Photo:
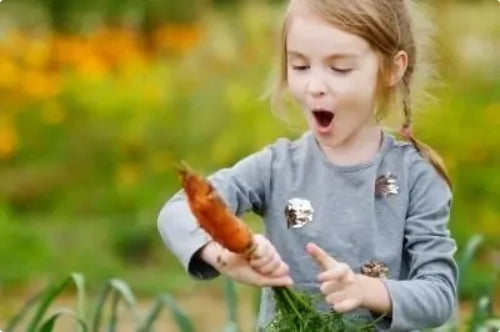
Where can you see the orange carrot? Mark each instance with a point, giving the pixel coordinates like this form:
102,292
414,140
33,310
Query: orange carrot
214,216
229,231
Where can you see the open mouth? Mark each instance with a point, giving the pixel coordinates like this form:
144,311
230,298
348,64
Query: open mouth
323,118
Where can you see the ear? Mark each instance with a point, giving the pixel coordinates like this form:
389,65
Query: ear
400,63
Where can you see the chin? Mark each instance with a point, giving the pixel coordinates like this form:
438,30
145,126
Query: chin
330,140
333,139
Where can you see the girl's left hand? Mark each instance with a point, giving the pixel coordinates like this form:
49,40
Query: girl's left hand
340,285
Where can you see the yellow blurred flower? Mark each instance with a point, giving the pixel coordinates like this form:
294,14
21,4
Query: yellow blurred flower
37,55
53,113
16,42
10,73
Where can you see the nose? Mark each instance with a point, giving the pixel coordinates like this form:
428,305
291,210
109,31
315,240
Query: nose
316,85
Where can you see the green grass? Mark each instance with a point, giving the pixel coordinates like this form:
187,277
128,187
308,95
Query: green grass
114,292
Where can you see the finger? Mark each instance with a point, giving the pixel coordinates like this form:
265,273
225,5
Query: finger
262,248
346,305
275,282
339,272
335,297
262,261
273,265
282,271
325,261
330,287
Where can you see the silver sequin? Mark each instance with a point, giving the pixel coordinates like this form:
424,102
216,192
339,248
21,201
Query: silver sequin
386,185
375,269
298,213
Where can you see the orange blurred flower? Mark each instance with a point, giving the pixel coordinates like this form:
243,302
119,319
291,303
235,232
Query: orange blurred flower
116,46
178,38
40,84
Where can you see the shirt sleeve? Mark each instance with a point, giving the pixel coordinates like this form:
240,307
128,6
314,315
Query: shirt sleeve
243,187
428,297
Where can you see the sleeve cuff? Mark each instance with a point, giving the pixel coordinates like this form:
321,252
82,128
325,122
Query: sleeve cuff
199,269
387,323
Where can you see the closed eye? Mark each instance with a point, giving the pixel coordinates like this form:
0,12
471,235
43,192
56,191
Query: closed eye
342,70
300,67
338,70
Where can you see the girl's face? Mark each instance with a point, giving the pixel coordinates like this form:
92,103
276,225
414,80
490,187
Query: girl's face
333,76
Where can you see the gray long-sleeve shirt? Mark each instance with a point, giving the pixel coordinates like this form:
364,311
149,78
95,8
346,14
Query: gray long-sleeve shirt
407,230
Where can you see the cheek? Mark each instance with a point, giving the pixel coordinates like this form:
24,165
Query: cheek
359,89
296,86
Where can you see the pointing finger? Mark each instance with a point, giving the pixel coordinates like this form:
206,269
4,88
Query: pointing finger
325,261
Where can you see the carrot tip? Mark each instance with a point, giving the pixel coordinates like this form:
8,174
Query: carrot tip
183,167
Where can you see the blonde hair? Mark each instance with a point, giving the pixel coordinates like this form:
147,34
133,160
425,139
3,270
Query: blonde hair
387,26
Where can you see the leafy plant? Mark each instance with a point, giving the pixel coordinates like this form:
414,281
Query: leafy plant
482,317
114,291
298,315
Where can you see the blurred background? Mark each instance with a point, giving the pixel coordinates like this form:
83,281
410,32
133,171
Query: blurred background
100,98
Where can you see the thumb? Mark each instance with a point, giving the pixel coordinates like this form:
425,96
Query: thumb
325,261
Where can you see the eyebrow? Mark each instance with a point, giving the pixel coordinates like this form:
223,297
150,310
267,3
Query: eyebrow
329,57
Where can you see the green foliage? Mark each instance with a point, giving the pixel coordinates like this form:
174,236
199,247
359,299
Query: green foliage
295,313
18,244
133,240
81,16
483,315
231,302
182,321
115,287
45,299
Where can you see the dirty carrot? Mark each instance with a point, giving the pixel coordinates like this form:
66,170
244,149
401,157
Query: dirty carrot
214,216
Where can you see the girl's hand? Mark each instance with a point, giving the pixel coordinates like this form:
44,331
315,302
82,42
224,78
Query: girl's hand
266,260
340,285
238,268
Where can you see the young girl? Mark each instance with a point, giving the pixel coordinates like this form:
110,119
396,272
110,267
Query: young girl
345,197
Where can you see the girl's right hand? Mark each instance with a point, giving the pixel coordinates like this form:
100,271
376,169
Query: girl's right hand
266,269
266,260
